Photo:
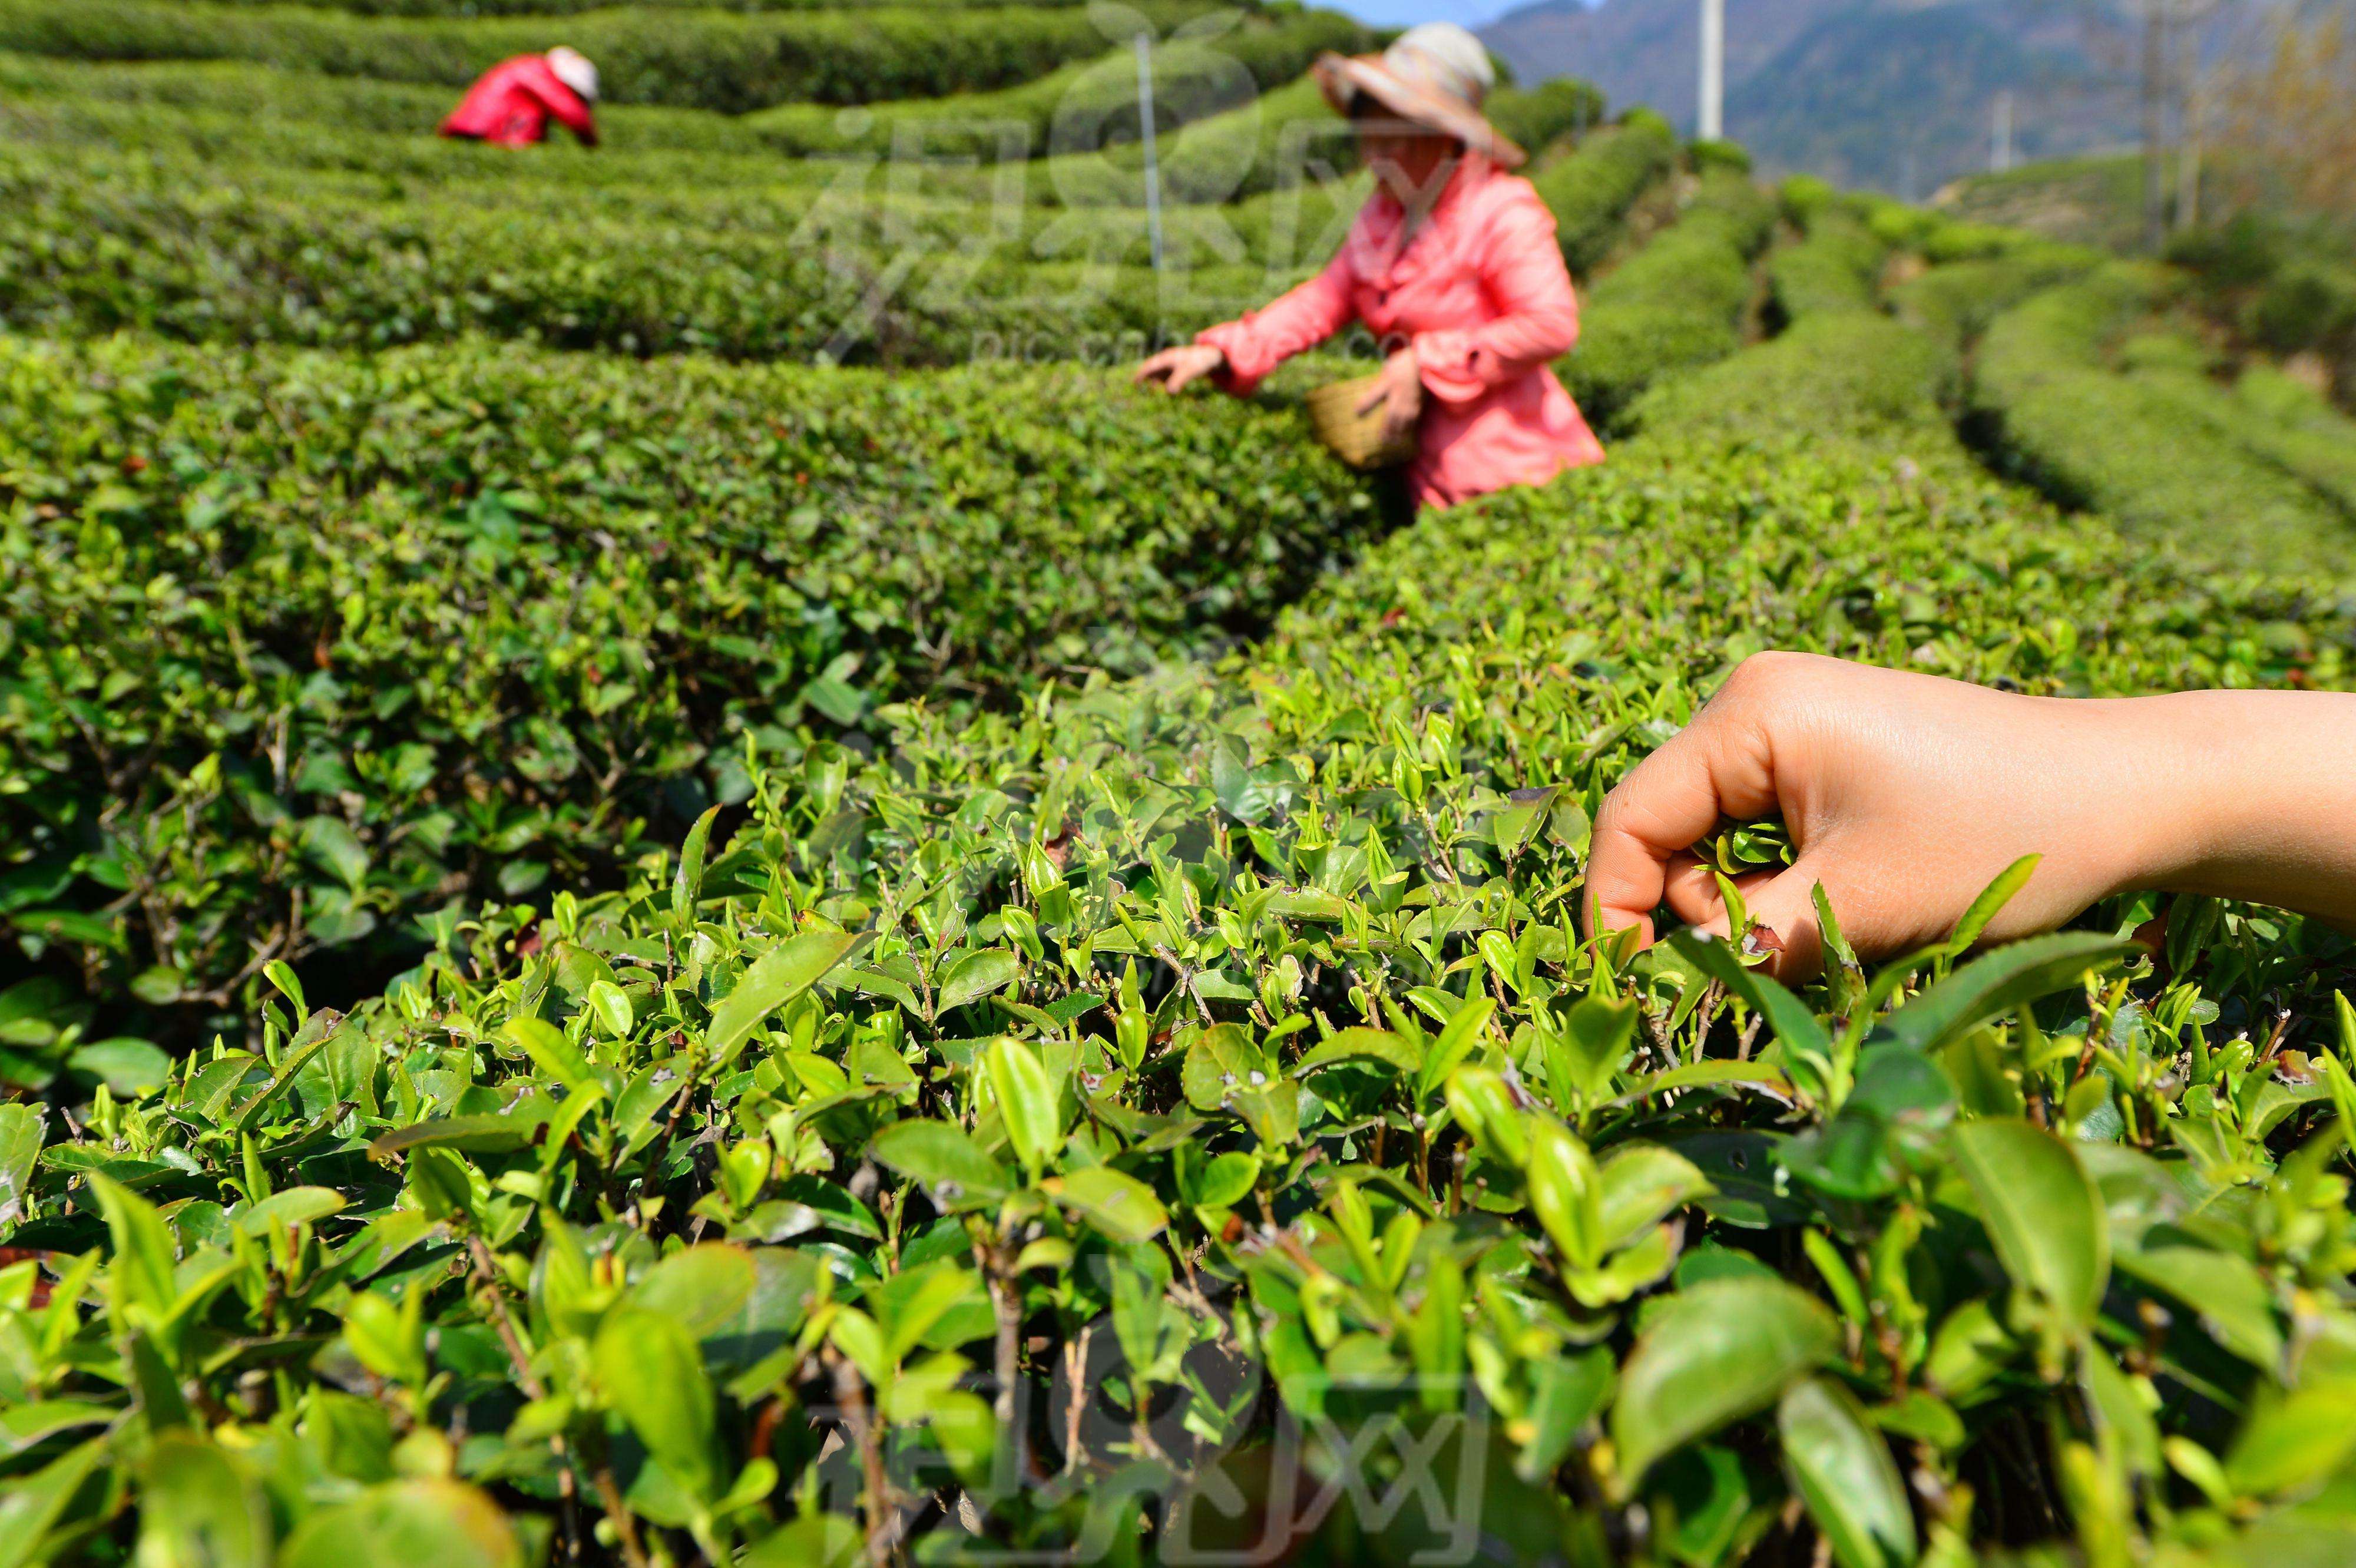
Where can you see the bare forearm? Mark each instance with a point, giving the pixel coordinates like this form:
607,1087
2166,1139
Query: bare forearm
2252,795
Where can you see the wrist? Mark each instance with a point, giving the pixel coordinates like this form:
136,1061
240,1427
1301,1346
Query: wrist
2248,795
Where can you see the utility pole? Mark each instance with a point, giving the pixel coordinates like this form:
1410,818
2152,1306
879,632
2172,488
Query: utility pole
2000,137
1152,163
1712,121
2155,108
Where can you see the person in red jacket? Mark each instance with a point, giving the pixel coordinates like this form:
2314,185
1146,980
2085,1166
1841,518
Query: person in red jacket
511,105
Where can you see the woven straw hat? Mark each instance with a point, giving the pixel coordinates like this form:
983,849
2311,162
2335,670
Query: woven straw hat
1435,75
573,69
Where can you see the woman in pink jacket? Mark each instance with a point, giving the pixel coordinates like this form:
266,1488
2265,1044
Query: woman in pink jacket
1453,265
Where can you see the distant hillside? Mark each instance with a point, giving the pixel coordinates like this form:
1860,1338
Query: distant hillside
1883,93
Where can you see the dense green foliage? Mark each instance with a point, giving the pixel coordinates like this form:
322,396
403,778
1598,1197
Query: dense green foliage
1083,106
728,62
571,7
1070,1078
2287,287
97,243
248,213
2160,451
1836,266
1591,190
1128,1077
1678,303
335,643
1955,303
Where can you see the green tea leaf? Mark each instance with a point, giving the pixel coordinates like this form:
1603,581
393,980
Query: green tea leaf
776,978
22,1128
1991,903
2226,1293
1714,1354
1641,1183
1027,1103
944,1159
687,883
976,975
1121,1206
648,1366
1999,982
1359,1045
1841,1468
405,1524
2042,1212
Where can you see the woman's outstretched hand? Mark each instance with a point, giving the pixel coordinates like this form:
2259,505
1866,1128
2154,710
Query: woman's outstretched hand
1175,367
1905,795
1398,391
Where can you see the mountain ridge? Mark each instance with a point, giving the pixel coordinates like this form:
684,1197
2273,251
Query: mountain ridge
1897,95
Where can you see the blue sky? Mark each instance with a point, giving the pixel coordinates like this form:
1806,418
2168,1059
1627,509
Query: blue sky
1404,12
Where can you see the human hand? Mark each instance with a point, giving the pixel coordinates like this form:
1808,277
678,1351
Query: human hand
1905,795
1174,367
1398,391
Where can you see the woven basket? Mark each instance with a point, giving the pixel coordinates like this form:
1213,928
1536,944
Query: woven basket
1355,439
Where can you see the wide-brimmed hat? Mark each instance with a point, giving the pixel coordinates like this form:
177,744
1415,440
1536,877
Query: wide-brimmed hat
573,69
1435,75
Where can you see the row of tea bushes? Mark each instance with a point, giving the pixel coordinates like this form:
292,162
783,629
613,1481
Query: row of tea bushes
1081,107
1956,301
1591,190
300,647
1293,136
2295,425
1836,265
560,8
1678,303
727,62
98,242
223,229
257,127
2136,447
1036,1130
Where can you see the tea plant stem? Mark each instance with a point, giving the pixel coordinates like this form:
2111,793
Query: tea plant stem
1185,979
852,1395
1007,1349
487,1271
1076,1368
618,1511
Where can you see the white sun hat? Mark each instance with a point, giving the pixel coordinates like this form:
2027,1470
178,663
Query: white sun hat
573,69
1436,75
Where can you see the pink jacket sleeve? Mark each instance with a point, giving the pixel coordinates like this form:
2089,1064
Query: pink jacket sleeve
569,108
1299,320
1538,315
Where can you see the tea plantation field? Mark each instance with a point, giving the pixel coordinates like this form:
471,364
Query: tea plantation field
680,889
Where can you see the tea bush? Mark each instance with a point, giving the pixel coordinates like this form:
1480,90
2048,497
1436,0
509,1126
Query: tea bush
730,62
2125,446
1102,1122
345,121
299,648
94,246
1083,106
1678,303
2273,418
1956,301
1592,190
1836,266
553,8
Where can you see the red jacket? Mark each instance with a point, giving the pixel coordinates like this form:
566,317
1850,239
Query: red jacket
509,106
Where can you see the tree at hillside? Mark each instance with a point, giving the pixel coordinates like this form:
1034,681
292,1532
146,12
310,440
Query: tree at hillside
2291,120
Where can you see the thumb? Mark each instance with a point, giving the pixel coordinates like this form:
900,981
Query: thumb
1785,906
1375,396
